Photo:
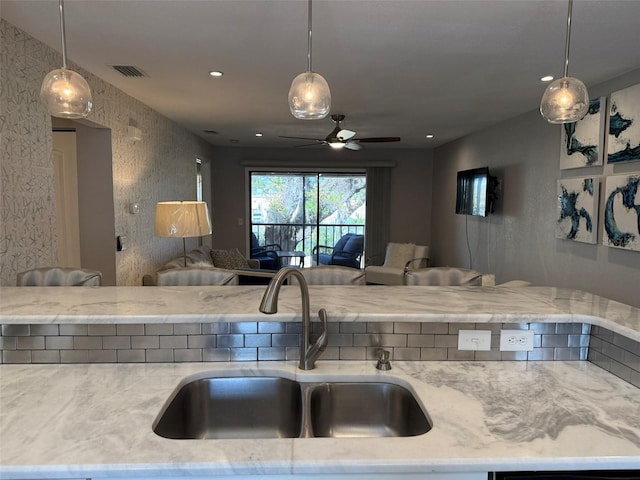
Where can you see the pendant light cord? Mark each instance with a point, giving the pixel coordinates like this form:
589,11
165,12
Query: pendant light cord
309,40
62,32
567,40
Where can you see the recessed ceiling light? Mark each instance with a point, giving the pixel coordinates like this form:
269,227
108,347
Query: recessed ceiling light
546,78
258,134
430,135
216,73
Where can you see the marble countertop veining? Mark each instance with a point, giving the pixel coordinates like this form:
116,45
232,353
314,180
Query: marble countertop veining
20,305
60,421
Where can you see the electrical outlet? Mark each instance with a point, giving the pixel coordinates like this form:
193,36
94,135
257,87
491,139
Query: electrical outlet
516,340
474,340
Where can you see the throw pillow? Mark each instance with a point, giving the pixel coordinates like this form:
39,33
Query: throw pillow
398,254
229,259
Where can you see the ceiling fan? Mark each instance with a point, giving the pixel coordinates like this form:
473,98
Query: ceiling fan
343,138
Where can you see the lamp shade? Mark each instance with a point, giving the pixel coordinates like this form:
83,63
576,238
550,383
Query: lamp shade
182,219
565,100
309,96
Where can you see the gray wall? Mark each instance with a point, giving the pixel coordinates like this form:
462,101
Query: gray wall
518,241
410,199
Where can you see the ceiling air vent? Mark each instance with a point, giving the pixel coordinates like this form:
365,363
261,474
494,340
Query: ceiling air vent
129,70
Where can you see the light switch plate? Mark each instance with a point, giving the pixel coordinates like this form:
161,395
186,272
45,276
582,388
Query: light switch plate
474,340
121,243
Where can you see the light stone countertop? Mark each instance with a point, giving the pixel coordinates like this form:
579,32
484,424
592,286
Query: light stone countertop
37,305
62,421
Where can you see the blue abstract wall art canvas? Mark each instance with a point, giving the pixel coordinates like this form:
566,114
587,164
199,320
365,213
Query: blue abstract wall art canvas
577,218
622,212
624,126
582,142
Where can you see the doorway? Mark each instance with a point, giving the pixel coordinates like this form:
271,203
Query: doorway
65,176
85,202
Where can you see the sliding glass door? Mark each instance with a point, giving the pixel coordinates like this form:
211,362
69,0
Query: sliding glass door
297,211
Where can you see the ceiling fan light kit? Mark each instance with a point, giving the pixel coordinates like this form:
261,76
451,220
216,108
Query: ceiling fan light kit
340,138
309,95
64,92
566,99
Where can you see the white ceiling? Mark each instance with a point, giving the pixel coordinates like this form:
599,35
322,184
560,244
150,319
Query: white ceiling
395,67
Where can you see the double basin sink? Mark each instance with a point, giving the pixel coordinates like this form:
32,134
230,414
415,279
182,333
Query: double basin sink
248,407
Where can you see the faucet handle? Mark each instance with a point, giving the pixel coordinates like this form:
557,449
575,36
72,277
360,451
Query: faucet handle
383,360
322,339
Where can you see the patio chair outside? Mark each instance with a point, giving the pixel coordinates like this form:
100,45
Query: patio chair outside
346,252
266,254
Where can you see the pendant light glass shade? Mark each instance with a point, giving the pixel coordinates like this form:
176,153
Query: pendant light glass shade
309,96
64,92
565,100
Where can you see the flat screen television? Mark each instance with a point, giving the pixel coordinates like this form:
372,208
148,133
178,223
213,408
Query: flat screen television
475,192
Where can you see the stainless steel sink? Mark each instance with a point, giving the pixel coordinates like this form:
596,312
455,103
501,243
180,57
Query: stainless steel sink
238,407
350,410
274,407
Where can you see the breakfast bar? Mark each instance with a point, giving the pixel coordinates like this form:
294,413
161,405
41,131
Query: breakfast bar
95,419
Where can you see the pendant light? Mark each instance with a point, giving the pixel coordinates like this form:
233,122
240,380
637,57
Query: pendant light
64,92
309,95
565,100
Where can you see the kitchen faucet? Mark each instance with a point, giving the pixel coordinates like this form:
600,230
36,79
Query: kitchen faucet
309,352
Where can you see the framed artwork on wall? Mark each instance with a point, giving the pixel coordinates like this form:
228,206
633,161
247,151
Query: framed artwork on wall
577,217
582,141
624,125
622,212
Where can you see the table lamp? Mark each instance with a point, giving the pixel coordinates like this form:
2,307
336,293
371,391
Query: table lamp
182,220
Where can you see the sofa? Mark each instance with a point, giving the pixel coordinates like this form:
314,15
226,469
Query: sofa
206,266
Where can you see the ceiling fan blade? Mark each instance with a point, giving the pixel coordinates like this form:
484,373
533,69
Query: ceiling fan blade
353,146
309,145
303,138
345,134
379,139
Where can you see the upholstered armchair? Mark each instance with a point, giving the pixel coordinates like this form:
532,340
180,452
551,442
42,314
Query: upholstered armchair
346,252
399,259
59,277
330,275
444,276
